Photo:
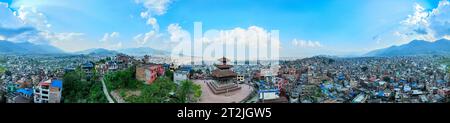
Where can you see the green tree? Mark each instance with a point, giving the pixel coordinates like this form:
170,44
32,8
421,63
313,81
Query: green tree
169,74
188,92
76,89
71,82
124,79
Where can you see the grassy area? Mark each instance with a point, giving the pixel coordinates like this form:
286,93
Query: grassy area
162,90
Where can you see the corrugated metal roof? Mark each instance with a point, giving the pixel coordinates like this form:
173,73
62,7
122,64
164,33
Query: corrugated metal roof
57,83
26,91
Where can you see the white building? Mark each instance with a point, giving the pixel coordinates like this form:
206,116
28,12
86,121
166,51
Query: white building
48,92
179,76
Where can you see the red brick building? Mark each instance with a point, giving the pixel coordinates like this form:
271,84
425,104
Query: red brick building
149,72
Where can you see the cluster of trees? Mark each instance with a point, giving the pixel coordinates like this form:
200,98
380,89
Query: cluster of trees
124,79
76,89
169,74
2,70
189,92
162,90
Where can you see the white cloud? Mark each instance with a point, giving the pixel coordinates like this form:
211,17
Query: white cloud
30,15
110,41
251,41
68,41
153,8
419,16
426,25
55,37
144,14
143,39
37,27
2,37
108,37
8,19
306,43
447,37
251,36
440,19
177,33
154,23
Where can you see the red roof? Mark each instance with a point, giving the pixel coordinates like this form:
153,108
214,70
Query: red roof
223,73
224,66
44,84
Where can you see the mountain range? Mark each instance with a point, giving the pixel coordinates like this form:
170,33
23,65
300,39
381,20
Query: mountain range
141,51
7,47
98,52
415,48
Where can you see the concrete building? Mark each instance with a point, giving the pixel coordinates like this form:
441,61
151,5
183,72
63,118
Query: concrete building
55,91
48,92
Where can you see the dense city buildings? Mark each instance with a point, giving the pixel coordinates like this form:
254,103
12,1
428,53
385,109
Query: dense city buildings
319,79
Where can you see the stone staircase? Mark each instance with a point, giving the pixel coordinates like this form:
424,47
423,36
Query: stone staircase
223,88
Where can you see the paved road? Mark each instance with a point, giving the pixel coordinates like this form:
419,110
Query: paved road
105,91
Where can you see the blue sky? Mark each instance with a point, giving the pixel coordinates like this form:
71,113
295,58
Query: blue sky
337,27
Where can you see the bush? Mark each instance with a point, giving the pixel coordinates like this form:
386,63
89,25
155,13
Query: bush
188,92
77,90
169,74
124,79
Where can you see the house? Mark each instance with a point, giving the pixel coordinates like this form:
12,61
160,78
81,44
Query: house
179,76
149,72
112,66
17,98
23,95
25,92
55,91
41,92
122,60
48,92
88,67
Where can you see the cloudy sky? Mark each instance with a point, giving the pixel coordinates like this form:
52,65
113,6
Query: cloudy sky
306,27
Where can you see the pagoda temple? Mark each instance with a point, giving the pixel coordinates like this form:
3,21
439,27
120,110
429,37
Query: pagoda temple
224,78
